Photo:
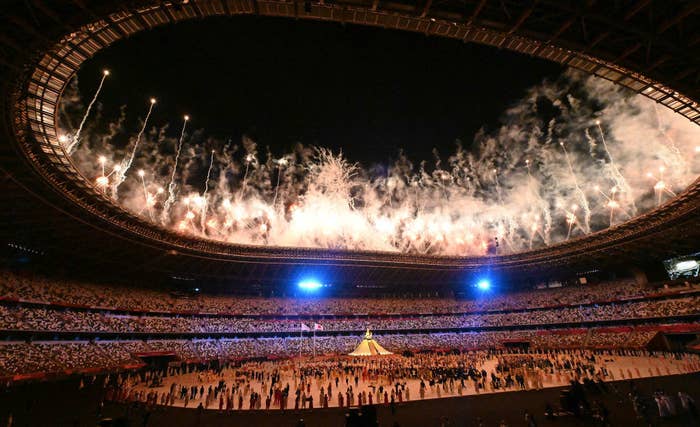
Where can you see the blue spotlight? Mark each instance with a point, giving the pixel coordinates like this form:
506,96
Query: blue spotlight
483,285
309,285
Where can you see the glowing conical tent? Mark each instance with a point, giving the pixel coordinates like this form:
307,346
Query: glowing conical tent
369,347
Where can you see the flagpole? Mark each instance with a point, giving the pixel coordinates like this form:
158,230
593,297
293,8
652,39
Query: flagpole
314,341
301,341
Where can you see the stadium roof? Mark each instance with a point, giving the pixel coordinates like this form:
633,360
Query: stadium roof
652,47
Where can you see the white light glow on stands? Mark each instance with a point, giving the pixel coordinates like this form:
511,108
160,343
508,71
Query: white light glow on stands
483,285
310,284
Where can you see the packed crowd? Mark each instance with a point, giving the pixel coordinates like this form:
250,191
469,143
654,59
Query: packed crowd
127,310
23,357
32,318
36,288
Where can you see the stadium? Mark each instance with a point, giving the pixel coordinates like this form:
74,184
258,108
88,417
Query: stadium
164,264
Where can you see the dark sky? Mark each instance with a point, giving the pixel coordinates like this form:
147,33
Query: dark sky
368,91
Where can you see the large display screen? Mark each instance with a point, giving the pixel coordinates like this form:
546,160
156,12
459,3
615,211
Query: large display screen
683,266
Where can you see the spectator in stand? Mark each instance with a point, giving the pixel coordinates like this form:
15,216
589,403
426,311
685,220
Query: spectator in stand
15,316
22,358
100,308
39,289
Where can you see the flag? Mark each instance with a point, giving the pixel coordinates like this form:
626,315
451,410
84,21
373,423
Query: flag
317,327
305,328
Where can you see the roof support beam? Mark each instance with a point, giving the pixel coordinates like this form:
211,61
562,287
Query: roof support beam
112,25
641,4
685,73
224,4
197,10
521,19
628,52
28,28
426,8
597,40
39,4
81,5
9,64
563,27
10,43
658,62
168,13
678,18
477,11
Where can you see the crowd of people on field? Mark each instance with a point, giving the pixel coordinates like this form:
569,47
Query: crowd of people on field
347,382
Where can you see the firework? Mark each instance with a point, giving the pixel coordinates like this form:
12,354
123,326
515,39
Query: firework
126,163
76,137
581,195
171,184
516,187
203,207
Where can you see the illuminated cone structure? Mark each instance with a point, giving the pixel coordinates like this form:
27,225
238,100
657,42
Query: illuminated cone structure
369,347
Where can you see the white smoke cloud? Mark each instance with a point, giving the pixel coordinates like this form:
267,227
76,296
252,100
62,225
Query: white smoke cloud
572,157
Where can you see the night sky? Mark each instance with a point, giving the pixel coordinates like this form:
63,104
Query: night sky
368,91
